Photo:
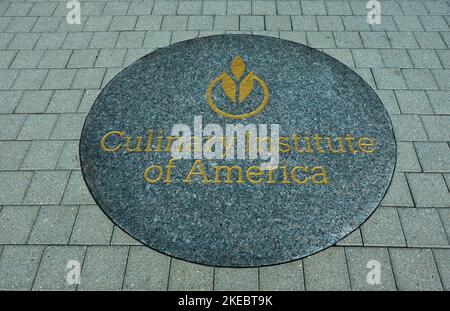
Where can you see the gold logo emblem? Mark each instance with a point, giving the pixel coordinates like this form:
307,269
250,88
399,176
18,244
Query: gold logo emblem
237,89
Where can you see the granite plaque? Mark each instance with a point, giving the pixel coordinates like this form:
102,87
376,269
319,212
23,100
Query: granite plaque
238,150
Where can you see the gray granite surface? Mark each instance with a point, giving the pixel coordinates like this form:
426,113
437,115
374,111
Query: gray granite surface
238,225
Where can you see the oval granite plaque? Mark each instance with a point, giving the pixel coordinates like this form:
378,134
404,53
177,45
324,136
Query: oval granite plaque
157,156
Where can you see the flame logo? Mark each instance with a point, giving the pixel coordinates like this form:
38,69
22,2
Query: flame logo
231,86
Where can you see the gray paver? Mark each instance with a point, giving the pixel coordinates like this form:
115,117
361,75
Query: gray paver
104,268
429,190
12,154
53,270
406,158
42,155
76,191
34,101
120,237
236,279
415,269
68,126
189,276
65,101
434,157
146,270
37,126
91,227
46,187
18,266
360,265
14,185
383,228
11,125
16,223
408,128
327,270
288,276
413,102
398,193
422,227
53,225
442,258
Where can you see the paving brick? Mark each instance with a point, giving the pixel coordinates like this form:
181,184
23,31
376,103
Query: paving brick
59,78
91,227
342,55
327,270
88,78
304,23
82,58
338,8
55,59
6,58
389,78
200,23
429,40
7,78
437,127
429,190
383,228
413,8
313,7
120,237
51,40
157,39
406,158
359,267
18,266
189,8
130,39
178,36
104,40
358,7
264,8
289,8
296,36
287,276
37,126
116,8
391,8
434,23
69,158
398,193
389,101
442,258
52,273
251,22
12,154
104,268
6,39
76,191
239,7
189,276
408,23
331,23
422,227
16,223
110,58
376,40
27,59
174,22
53,225
415,269
18,9
12,123
236,279
413,102
140,8
434,157
323,39
425,59
273,22
42,155
408,128
439,101
165,8
214,8
367,58
149,23
444,57
347,39
77,40
46,187
65,101
387,24
110,73
146,270
43,9
14,185
97,23
47,24
402,40
33,102
442,77
353,239
29,79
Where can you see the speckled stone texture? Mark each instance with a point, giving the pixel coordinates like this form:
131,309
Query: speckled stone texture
238,225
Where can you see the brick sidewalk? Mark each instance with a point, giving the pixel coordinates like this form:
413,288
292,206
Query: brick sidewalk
51,72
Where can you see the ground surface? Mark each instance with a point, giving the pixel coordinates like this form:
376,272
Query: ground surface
50,73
